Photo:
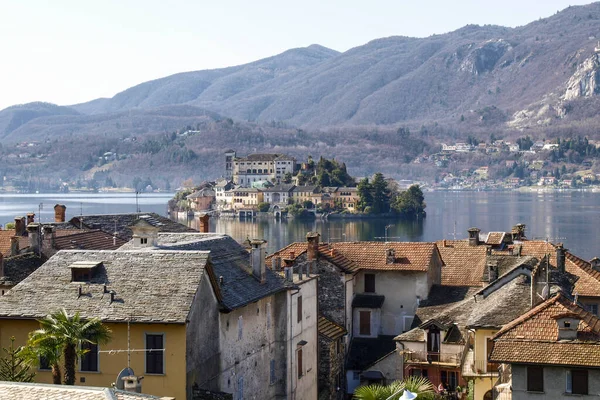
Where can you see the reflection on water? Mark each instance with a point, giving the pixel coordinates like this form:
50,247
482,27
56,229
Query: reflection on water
569,217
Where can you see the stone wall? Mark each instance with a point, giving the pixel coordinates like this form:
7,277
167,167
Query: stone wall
331,369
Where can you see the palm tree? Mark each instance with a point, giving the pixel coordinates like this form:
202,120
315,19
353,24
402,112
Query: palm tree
41,346
415,384
67,334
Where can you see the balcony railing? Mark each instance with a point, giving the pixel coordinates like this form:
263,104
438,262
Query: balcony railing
420,357
481,368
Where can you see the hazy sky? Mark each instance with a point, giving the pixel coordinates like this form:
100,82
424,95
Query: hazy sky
67,52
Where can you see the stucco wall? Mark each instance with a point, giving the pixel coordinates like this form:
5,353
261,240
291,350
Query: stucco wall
554,384
172,383
202,358
390,367
400,290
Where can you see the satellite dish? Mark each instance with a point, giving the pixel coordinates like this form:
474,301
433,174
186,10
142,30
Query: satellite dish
119,384
545,291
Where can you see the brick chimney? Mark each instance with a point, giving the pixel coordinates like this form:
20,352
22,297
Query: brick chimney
20,226
595,263
257,258
30,218
14,245
34,238
473,236
203,223
59,213
561,254
312,250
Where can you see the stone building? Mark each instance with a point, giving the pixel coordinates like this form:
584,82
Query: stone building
245,171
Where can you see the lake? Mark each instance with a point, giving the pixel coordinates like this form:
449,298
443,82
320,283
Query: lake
571,217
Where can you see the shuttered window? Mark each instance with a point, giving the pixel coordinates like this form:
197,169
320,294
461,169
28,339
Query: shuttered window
369,283
577,381
299,363
89,360
535,379
299,310
365,322
154,358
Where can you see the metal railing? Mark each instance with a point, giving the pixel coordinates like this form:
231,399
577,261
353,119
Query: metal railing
432,357
484,367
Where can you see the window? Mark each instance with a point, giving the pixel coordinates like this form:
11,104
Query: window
535,379
89,361
299,363
240,327
44,364
144,240
299,311
369,281
593,308
272,372
155,359
364,322
577,381
419,372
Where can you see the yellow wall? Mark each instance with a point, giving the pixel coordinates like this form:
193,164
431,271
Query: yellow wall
171,384
484,383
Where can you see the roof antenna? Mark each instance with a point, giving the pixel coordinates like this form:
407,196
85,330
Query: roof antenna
81,215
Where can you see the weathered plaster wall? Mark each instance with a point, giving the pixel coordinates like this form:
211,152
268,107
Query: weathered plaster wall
554,384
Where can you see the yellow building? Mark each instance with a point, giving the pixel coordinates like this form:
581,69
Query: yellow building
246,198
150,301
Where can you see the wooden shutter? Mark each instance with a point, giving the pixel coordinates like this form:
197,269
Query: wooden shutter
579,379
369,283
365,322
299,363
535,379
299,311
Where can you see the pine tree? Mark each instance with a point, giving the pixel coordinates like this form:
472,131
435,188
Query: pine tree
13,367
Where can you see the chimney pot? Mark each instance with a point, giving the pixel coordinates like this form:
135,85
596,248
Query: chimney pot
59,213
312,250
560,257
292,255
30,218
34,238
14,245
473,236
20,226
203,223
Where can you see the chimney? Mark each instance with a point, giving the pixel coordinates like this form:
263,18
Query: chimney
560,257
30,218
1,265
59,213
444,243
203,225
14,245
258,260
492,271
276,263
48,235
567,326
595,263
292,255
34,238
519,231
312,250
20,226
390,256
473,236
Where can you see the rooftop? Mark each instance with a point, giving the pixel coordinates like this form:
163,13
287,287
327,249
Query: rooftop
365,352
229,260
19,267
533,337
34,391
330,329
148,286
94,239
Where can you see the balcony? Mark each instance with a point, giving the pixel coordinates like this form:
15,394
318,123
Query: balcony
480,368
424,357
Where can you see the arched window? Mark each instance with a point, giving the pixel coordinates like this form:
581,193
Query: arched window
488,395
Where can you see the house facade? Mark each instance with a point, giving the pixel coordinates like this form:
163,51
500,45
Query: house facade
245,171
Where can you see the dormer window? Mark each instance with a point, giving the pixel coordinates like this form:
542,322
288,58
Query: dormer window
83,271
567,326
144,240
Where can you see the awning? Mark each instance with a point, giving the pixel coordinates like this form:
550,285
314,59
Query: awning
372,376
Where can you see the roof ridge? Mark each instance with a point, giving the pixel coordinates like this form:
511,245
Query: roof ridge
584,265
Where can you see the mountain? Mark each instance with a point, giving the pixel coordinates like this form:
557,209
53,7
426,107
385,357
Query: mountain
392,80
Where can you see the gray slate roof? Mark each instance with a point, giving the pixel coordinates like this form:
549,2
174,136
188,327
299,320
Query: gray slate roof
106,223
230,260
19,267
367,301
150,287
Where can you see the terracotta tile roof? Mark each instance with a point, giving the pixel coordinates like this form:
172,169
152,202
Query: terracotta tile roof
88,240
588,283
5,236
330,329
533,337
463,264
353,256
495,238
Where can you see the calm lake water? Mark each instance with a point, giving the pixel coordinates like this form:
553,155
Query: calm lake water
569,217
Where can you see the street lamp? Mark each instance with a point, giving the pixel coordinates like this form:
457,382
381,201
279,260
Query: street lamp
386,229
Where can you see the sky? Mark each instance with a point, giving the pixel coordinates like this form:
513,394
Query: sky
72,51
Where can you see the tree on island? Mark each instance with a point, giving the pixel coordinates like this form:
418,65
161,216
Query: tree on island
364,194
410,203
381,194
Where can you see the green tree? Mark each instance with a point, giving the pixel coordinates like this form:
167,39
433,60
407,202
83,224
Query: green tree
308,204
410,203
42,347
287,178
14,366
419,385
264,207
381,194
69,333
364,194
